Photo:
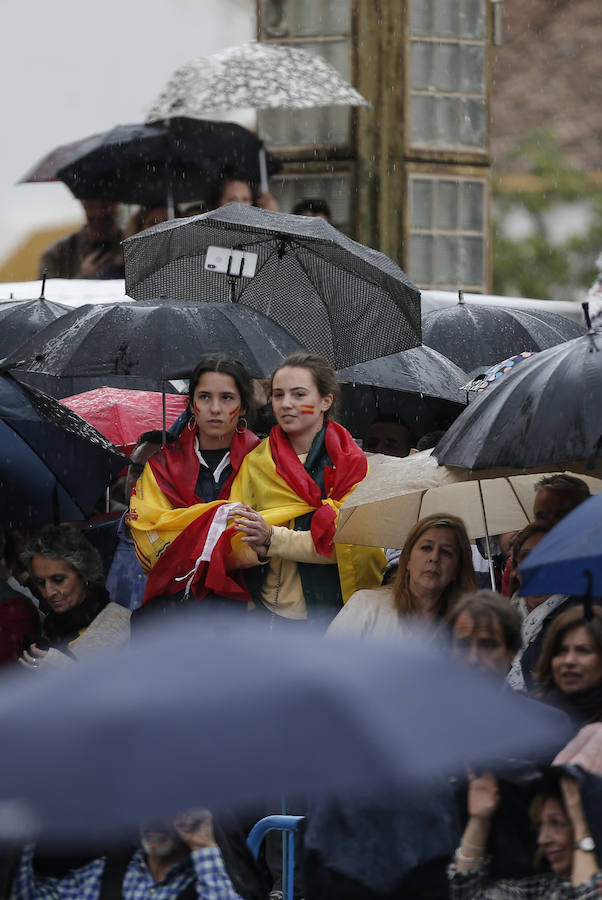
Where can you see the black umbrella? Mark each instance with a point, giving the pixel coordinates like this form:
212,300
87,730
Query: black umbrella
151,342
545,412
420,386
337,297
26,318
480,334
54,466
195,715
151,164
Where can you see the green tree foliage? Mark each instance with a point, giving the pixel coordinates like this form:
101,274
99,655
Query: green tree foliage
535,266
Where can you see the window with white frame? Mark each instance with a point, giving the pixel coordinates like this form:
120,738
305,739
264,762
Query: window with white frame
448,218
448,74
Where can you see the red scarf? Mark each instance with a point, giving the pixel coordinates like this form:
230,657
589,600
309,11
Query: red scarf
349,465
176,466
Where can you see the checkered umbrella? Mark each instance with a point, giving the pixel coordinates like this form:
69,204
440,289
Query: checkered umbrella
335,296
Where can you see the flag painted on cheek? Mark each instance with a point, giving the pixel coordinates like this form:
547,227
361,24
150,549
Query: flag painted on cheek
307,409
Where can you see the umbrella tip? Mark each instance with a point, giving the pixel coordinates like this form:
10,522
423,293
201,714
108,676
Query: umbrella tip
42,297
588,321
460,296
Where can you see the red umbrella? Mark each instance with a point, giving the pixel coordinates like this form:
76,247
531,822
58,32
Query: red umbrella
123,415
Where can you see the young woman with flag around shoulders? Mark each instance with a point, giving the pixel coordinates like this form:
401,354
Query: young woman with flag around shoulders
272,541
185,479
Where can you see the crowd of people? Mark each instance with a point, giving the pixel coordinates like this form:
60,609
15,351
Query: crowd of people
222,518
234,511
94,250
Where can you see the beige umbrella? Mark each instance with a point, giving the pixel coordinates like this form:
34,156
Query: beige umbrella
396,493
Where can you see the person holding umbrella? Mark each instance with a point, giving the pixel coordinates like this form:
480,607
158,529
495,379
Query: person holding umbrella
566,847
569,670
91,252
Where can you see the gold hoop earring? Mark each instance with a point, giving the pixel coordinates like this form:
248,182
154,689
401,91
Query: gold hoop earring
241,425
191,422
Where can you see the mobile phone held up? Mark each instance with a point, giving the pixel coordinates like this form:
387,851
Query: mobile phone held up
235,263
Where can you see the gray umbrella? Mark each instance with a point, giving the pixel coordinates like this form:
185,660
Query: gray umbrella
258,75
224,717
335,296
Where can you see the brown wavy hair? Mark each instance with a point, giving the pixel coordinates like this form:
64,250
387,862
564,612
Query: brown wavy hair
463,582
561,625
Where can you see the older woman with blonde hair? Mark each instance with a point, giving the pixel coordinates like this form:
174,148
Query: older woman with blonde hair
435,567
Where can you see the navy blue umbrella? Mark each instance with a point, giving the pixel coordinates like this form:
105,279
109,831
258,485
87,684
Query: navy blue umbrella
202,712
569,559
54,466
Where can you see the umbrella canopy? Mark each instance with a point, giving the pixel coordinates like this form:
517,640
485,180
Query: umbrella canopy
23,319
478,334
46,168
259,75
419,385
154,341
122,415
335,296
53,465
569,559
545,412
146,164
221,718
397,493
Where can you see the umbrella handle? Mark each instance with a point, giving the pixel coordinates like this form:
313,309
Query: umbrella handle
489,559
263,171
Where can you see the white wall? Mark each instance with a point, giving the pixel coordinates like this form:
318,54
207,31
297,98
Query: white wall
70,68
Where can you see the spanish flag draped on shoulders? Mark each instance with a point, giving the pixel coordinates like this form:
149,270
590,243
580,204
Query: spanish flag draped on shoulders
164,504
272,480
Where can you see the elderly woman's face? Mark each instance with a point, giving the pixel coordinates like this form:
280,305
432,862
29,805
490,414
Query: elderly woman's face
60,585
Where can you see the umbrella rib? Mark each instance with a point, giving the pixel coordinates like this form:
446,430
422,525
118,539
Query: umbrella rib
528,517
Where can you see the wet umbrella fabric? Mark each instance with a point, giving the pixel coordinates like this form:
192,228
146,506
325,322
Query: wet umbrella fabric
46,168
545,412
397,493
122,415
419,385
153,341
335,296
243,716
478,334
53,465
24,319
258,75
573,548
146,164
